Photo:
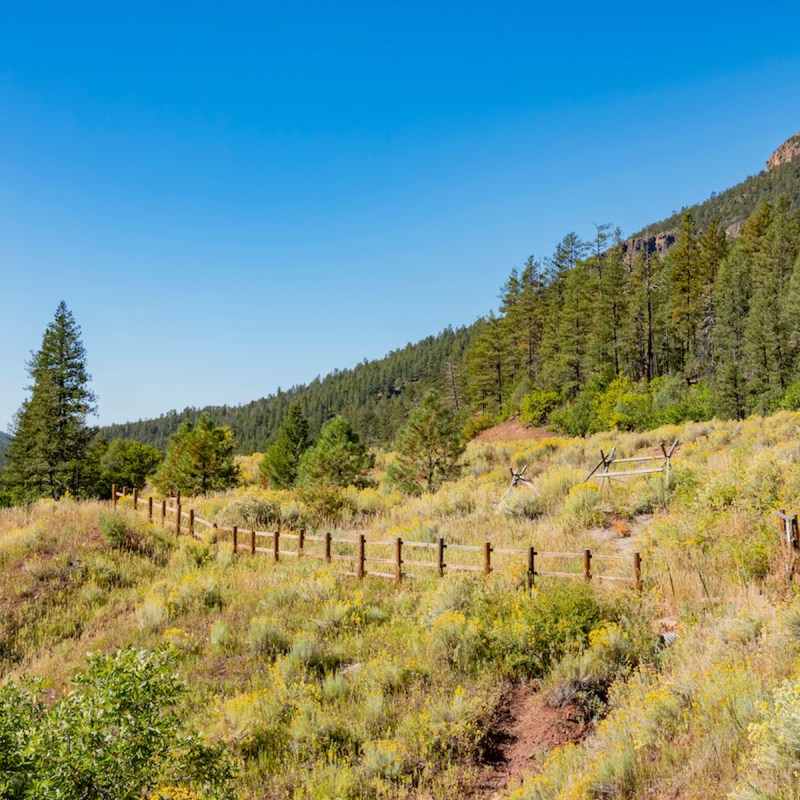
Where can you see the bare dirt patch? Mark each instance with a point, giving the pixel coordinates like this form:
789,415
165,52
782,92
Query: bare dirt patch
512,430
524,732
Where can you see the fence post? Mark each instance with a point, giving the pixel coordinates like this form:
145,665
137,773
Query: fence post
150,509
398,560
360,555
587,565
178,496
301,539
327,547
135,499
124,491
531,567
252,544
178,519
276,543
235,539
440,556
163,513
191,522
215,535
114,495
487,558
637,571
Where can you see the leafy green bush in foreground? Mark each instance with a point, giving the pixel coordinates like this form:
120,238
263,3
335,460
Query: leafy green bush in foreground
116,735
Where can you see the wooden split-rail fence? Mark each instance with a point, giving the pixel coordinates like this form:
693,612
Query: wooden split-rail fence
396,558
790,543
657,463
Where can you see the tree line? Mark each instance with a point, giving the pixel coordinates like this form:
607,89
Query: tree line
597,336
375,396
55,453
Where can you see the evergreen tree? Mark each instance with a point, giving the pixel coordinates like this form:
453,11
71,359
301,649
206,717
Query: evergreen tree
282,459
732,300
338,458
428,449
610,317
713,249
489,371
46,456
126,463
199,460
685,297
570,367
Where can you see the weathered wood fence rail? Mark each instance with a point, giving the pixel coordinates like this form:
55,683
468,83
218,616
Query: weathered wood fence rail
392,557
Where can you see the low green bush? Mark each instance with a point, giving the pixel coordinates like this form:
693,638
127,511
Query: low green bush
118,734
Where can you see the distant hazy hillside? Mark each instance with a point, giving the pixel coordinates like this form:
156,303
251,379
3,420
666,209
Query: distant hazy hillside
736,204
375,396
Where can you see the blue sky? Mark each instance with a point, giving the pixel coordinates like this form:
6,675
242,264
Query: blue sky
235,197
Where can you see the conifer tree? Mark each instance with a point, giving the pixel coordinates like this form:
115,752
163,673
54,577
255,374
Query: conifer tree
731,300
338,458
46,456
282,459
427,449
685,295
570,368
713,248
199,460
611,308
489,373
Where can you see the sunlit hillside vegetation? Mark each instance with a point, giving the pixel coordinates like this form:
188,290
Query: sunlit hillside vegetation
595,336
321,686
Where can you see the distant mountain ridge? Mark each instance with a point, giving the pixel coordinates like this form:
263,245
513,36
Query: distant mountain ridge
374,395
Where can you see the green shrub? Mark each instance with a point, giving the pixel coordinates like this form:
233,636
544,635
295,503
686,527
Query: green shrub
115,531
790,399
475,426
537,405
118,734
774,763
266,639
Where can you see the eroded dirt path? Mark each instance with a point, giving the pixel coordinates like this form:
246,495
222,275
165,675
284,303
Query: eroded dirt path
524,732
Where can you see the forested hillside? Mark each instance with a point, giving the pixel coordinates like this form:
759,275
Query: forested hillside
374,395
598,335
598,339
736,204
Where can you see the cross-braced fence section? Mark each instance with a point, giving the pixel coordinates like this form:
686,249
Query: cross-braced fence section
396,559
603,472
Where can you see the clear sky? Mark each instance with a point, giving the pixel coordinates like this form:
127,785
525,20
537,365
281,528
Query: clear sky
233,197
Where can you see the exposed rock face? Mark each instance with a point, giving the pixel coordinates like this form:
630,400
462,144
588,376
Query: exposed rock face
734,231
788,151
658,244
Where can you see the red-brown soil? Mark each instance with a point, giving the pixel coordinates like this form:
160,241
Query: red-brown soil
512,430
524,733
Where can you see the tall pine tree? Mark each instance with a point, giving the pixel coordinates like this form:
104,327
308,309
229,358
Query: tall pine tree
46,456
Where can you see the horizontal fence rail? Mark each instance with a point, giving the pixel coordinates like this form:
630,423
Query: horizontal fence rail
391,558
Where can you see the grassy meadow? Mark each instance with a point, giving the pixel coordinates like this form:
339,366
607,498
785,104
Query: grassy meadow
321,686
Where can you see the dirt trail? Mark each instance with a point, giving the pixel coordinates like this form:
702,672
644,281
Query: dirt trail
524,733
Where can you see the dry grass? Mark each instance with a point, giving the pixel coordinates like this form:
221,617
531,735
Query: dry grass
324,687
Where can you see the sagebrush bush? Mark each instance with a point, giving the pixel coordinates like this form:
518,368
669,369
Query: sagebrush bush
115,531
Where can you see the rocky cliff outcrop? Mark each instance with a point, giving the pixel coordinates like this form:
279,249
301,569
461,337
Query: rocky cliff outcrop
655,245
788,151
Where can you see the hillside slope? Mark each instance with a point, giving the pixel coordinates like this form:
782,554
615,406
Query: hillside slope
323,686
734,205
375,396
